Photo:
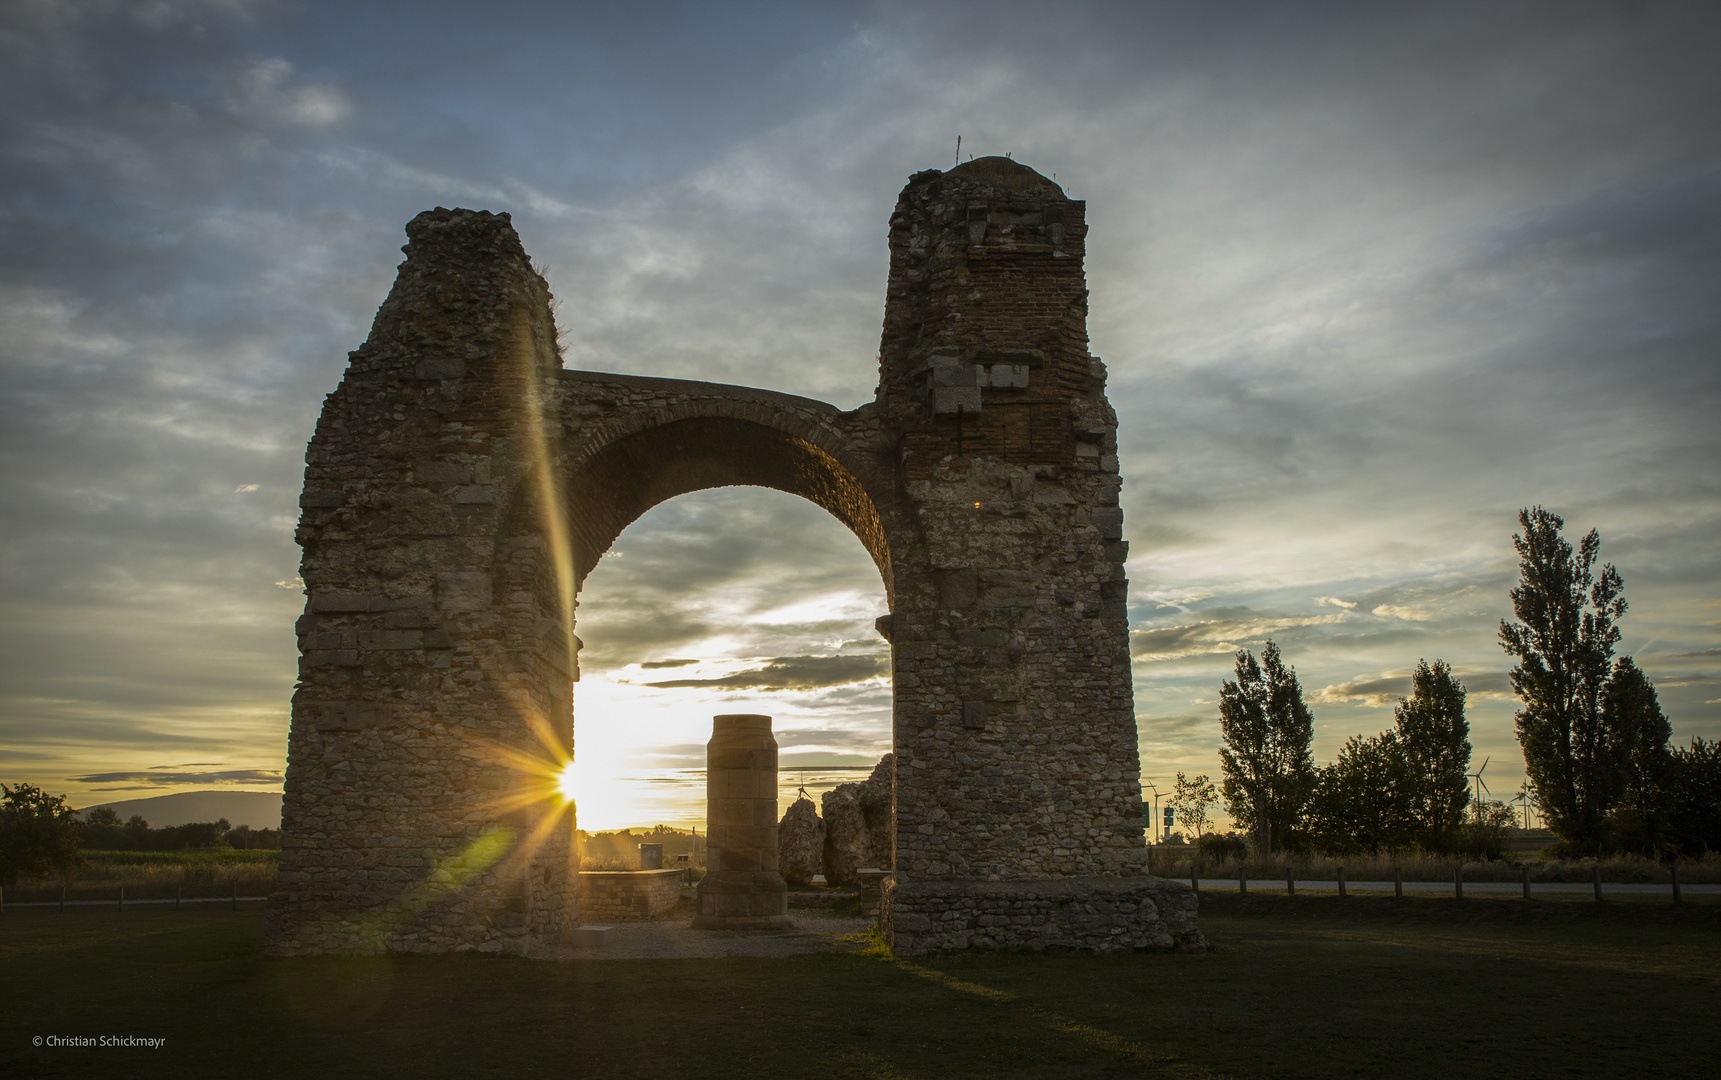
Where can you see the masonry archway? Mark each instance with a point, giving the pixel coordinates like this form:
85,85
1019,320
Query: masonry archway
461,483
613,477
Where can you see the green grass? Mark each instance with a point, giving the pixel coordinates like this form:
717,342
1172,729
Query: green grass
1304,987
1173,861
159,875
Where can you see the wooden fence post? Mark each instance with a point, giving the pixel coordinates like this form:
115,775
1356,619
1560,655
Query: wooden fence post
178,897
1598,882
1675,869
1341,882
1526,881
1195,878
235,896
122,897
1458,882
1398,882
62,899
1290,880
1242,881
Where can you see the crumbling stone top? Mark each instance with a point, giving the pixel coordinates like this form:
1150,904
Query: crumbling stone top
1006,174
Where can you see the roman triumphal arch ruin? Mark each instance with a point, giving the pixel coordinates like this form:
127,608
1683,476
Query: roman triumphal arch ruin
461,484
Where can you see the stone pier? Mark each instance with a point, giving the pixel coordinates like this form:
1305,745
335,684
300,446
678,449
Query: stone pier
742,889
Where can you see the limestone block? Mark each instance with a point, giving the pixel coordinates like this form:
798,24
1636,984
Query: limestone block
948,400
463,591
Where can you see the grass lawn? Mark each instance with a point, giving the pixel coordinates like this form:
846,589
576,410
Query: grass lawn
1294,987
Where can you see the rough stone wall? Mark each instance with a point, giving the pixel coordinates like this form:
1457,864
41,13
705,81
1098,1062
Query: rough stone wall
858,830
625,895
434,686
1097,914
800,842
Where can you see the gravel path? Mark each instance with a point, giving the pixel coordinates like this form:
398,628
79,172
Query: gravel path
676,939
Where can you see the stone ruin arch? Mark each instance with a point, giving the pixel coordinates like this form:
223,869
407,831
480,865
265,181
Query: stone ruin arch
461,483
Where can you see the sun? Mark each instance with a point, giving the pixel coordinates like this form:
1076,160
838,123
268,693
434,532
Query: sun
565,782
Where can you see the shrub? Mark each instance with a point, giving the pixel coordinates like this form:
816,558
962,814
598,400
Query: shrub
1219,848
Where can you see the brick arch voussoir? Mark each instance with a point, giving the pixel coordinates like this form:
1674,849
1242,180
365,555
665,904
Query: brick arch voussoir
821,429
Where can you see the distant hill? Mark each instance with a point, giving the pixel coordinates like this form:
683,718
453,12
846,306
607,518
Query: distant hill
258,809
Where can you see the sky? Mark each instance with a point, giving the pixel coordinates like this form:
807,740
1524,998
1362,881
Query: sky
1367,278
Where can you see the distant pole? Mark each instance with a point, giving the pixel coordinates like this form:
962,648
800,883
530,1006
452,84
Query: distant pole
1526,881
1398,882
235,896
1290,879
1675,871
1458,882
62,899
1598,882
958,149
1341,883
1242,881
178,897
122,897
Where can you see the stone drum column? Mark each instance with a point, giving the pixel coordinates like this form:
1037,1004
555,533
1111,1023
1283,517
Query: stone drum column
742,889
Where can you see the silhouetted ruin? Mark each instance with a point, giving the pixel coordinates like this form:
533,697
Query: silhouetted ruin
461,484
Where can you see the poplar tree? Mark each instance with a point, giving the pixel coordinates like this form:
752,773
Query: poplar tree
1585,722
1268,767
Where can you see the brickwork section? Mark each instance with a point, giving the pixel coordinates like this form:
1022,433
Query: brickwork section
623,895
461,485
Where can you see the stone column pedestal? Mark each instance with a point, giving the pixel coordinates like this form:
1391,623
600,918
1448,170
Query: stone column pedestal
742,889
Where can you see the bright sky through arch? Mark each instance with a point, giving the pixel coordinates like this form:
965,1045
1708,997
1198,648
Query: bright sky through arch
730,600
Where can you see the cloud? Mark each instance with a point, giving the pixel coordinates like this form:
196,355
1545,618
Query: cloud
121,781
1389,689
266,88
1333,601
1396,611
650,664
792,673
1215,635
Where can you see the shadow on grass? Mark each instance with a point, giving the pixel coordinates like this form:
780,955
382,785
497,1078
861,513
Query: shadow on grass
1291,990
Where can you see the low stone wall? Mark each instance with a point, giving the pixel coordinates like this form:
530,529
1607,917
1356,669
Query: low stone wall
1099,914
620,895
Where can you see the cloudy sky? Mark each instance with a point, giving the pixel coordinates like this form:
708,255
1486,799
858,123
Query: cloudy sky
1368,279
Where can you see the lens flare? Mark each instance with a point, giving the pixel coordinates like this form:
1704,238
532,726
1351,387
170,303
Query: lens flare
565,783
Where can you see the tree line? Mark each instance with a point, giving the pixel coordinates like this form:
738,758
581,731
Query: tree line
40,834
1594,738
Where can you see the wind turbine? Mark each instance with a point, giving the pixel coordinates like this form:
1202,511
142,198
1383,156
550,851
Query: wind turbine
1482,785
1523,801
